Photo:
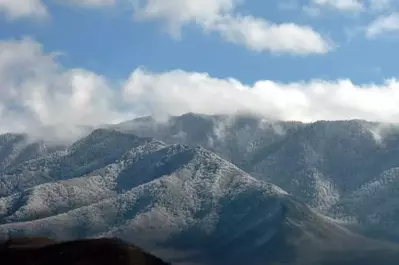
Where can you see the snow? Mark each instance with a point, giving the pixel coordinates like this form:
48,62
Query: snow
149,188
331,165
204,177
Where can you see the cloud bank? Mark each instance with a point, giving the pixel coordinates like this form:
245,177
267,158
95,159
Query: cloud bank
37,92
178,92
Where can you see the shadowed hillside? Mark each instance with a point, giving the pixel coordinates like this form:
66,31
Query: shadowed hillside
30,251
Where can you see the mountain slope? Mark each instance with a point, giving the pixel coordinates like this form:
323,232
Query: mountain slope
184,204
97,150
18,148
323,164
374,205
235,138
194,172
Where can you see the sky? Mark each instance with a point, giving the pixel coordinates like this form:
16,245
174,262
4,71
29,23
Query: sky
68,63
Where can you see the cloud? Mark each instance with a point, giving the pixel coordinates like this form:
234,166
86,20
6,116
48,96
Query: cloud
179,12
343,5
260,35
16,9
38,94
383,24
219,16
178,92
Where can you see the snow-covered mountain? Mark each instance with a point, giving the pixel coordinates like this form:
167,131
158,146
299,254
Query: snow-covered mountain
374,205
18,148
235,138
100,148
324,164
186,204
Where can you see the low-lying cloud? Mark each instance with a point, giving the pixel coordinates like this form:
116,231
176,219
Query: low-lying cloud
177,92
37,93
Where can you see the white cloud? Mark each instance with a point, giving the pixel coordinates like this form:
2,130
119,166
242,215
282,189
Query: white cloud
260,35
219,16
179,12
16,9
383,24
36,93
344,5
178,92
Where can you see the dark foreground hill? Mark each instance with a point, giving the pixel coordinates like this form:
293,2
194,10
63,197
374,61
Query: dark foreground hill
42,251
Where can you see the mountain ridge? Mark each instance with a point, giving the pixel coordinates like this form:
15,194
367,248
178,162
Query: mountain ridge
190,205
321,163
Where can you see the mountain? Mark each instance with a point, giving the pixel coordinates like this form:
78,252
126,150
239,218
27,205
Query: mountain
326,161
179,188
184,204
235,138
17,148
107,251
64,180
374,205
324,164
100,148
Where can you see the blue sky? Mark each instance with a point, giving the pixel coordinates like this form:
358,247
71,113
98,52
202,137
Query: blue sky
109,41
303,60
